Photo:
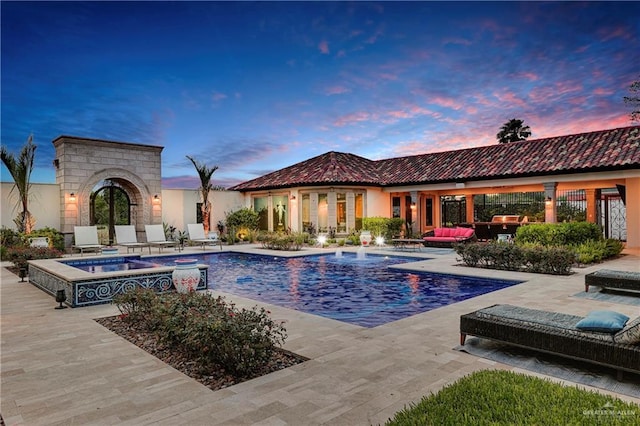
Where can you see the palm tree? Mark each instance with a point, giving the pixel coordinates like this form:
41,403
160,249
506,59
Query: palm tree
513,130
634,101
20,170
205,174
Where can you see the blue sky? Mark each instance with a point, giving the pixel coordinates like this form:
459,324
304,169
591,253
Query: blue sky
255,87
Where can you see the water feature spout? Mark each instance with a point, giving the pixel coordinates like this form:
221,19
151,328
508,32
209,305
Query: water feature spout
338,253
361,255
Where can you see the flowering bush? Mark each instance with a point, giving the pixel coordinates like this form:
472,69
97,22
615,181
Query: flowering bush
241,341
21,255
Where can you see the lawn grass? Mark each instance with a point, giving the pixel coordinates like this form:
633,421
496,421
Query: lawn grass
496,397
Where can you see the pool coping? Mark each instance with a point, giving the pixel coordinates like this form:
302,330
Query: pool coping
83,288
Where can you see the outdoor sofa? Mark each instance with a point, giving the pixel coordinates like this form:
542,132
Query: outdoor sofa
613,280
556,333
447,237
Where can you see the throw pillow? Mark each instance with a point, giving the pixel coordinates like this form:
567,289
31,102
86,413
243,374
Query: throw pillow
603,321
630,335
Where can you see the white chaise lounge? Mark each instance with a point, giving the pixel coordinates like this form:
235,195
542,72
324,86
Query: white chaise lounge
126,237
156,237
197,235
86,239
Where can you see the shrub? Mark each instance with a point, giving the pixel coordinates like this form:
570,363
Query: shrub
383,226
281,241
56,238
241,341
595,251
21,255
242,218
514,257
136,306
493,397
558,234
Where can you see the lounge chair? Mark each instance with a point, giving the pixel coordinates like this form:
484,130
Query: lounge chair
156,237
86,239
197,235
610,279
556,333
126,237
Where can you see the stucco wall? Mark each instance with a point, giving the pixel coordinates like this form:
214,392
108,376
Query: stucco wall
44,202
633,212
179,206
377,203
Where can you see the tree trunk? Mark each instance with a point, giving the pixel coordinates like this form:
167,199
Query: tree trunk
206,215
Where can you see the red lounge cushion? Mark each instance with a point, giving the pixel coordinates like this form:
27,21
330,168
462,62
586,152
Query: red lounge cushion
441,239
464,232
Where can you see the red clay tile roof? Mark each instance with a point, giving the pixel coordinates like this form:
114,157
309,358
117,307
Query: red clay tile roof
586,152
326,169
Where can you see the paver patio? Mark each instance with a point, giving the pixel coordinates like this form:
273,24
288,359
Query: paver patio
61,367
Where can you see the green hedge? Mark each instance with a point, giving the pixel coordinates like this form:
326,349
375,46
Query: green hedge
383,226
559,234
514,257
282,241
494,397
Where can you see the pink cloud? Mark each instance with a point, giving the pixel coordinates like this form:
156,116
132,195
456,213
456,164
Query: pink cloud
602,91
336,90
217,96
456,40
323,46
445,102
510,98
355,117
615,32
529,76
388,76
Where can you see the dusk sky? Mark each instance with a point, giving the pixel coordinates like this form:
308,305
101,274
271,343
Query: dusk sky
255,87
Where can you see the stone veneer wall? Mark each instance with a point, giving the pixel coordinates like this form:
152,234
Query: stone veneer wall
82,163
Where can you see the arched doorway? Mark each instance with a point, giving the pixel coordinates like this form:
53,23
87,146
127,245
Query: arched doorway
110,205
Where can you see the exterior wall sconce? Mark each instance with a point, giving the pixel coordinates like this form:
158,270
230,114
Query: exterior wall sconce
293,197
413,205
72,197
548,201
156,199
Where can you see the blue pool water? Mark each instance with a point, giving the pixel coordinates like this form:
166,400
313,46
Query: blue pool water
111,264
363,292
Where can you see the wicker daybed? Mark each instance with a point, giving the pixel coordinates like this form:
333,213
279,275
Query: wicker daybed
613,280
555,333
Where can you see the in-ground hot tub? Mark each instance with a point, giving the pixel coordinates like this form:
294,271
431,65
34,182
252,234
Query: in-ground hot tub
95,280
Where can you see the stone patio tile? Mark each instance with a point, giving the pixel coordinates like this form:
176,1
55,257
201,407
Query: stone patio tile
61,367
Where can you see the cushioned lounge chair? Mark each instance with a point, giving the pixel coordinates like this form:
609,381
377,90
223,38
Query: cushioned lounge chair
126,237
86,239
156,237
197,235
555,333
609,279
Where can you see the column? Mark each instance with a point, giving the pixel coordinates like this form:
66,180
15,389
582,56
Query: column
550,202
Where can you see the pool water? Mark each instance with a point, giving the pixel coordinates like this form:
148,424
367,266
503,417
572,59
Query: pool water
366,292
111,264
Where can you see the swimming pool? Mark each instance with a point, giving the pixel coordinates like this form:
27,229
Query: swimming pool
366,292
111,264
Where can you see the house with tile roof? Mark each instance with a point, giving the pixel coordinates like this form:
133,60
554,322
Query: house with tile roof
336,190
593,176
